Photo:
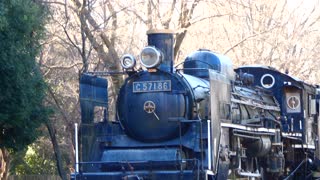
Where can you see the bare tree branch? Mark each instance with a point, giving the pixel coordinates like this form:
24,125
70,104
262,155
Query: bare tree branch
62,67
168,15
114,23
243,40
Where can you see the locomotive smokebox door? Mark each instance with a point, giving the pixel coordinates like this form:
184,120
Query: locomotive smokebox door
220,92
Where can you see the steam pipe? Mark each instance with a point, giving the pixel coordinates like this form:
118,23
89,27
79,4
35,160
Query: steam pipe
76,146
247,174
239,170
209,146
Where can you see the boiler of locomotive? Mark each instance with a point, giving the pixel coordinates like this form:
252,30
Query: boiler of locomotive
152,102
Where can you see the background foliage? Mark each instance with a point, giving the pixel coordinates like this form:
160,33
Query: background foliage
34,160
22,87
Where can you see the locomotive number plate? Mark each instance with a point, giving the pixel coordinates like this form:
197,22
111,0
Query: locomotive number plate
151,86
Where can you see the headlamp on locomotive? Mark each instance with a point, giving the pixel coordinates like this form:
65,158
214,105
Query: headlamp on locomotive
150,57
128,62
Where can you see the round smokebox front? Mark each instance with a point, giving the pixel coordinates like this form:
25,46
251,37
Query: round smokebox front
150,104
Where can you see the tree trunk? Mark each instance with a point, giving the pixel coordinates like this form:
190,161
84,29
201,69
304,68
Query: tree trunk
5,164
56,149
179,39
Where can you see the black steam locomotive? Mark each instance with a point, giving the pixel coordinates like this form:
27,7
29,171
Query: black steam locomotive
198,120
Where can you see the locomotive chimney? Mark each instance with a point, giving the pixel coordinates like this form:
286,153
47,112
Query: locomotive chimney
163,40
